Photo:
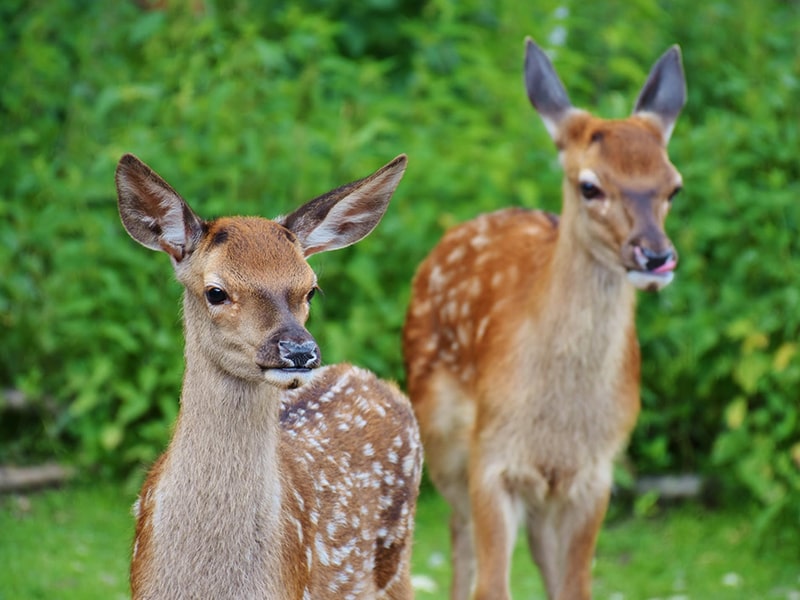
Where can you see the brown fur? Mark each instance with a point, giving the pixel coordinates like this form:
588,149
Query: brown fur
522,358
278,483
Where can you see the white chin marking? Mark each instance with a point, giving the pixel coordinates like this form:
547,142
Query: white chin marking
288,379
651,282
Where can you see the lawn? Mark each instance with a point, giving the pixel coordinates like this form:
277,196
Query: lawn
74,544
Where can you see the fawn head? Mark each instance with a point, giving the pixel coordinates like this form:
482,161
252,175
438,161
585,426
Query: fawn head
247,282
618,179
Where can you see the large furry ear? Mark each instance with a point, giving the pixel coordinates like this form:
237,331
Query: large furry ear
664,93
347,214
545,90
153,213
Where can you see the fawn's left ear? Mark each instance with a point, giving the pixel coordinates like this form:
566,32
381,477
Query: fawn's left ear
664,93
153,213
347,214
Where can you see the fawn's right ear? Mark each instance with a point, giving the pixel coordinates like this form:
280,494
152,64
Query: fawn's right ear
545,90
153,213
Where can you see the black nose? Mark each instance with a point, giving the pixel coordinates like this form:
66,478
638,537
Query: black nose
304,355
654,260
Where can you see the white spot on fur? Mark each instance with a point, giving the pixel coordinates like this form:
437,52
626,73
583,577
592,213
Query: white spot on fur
497,279
437,280
456,255
481,330
409,462
479,242
322,551
136,508
299,526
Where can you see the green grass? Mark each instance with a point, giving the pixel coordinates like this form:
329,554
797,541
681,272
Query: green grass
683,553
74,544
65,544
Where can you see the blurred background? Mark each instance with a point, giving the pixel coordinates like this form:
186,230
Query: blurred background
255,107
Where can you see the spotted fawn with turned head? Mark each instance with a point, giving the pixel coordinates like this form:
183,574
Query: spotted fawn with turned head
283,479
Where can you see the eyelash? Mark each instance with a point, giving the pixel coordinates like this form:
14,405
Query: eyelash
312,293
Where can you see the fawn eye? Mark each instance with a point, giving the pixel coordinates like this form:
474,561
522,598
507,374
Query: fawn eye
311,294
590,191
674,193
216,295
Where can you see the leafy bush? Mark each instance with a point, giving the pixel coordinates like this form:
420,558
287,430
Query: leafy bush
255,108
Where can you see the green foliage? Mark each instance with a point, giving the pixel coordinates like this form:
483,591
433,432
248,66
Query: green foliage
254,108
719,347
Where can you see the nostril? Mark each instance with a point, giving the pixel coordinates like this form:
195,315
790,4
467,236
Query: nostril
302,359
303,355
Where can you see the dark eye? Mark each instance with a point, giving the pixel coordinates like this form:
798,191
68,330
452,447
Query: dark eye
311,294
674,193
216,295
590,191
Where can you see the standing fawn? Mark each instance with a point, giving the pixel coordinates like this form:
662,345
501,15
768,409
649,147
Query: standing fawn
282,480
520,343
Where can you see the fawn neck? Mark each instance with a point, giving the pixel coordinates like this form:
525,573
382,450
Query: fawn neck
576,339
228,426
221,401
227,437
586,302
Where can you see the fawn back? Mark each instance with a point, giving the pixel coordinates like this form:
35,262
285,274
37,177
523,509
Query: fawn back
520,342
283,479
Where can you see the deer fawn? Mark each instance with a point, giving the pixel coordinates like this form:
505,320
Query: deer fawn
282,479
520,343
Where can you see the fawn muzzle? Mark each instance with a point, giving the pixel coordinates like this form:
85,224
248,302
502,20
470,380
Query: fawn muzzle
289,358
651,269
290,349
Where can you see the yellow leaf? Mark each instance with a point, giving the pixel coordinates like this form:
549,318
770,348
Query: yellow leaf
784,355
755,340
736,413
739,328
111,437
751,369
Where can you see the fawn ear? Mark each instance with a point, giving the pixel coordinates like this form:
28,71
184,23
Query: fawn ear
347,214
545,90
664,93
153,213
